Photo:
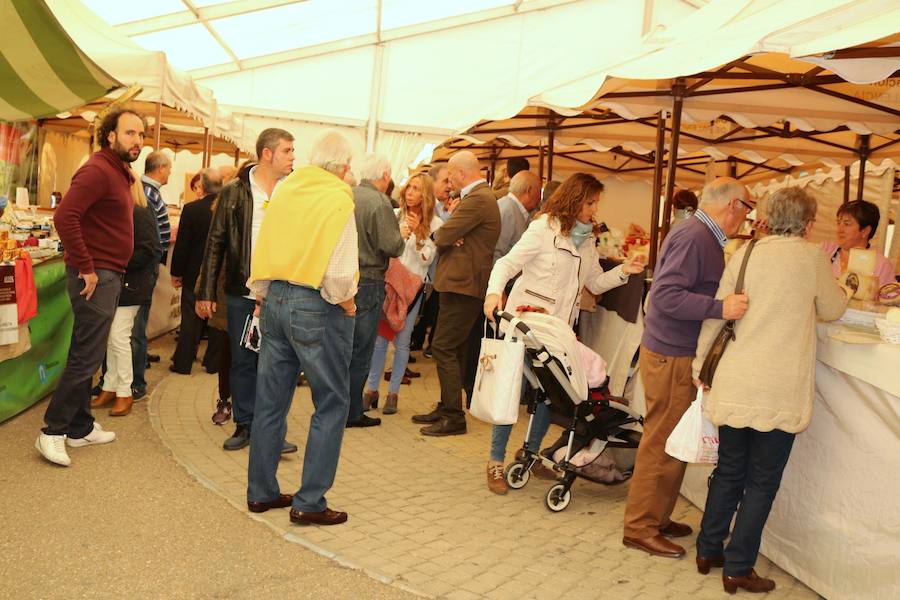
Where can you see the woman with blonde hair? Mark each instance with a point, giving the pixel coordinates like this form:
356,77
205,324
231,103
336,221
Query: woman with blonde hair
557,258
417,223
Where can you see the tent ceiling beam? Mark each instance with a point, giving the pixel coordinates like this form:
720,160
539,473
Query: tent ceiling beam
212,31
389,35
192,15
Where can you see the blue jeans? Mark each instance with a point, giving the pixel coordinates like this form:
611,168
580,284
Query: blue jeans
748,473
300,330
139,350
139,346
243,361
369,302
539,427
401,353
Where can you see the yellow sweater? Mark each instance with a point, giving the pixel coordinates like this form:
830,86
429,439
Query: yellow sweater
302,224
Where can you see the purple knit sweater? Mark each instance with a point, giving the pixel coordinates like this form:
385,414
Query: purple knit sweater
684,287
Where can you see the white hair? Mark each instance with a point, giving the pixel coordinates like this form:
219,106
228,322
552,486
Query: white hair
722,191
371,167
330,151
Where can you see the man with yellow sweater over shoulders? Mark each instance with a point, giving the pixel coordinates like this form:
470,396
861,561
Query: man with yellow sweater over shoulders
304,272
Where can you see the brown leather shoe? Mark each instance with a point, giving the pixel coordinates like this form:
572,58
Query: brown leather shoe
122,406
752,583
674,530
705,564
445,427
104,398
390,405
433,417
496,480
412,374
370,400
656,545
326,517
282,501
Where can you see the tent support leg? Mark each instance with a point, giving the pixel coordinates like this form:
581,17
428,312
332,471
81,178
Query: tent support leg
863,157
541,163
657,187
846,184
678,94
157,126
551,134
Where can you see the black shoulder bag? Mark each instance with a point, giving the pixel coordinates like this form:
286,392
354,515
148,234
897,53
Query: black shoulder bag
726,334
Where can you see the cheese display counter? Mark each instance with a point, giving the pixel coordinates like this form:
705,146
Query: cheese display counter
835,524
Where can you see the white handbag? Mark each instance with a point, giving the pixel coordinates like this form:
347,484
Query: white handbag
695,439
498,382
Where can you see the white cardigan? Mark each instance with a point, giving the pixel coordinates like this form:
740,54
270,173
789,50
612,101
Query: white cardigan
553,271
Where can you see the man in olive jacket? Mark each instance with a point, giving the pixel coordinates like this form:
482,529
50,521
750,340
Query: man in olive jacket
466,245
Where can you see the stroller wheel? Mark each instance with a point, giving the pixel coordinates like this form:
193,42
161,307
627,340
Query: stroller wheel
558,497
517,475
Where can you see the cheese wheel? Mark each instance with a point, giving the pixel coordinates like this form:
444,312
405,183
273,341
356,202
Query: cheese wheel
893,315
868,288
861,261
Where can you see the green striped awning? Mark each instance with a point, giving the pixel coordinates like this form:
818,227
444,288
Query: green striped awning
42,71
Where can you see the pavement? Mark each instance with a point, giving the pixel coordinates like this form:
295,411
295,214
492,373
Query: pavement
422,519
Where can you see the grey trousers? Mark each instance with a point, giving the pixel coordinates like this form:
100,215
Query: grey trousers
69,411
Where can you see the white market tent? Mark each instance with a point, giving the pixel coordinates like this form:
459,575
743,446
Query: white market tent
397,73
161,82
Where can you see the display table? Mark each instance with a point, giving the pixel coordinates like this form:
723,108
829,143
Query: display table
835,524
26,379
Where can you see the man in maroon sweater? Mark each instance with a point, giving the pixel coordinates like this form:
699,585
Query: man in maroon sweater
95,227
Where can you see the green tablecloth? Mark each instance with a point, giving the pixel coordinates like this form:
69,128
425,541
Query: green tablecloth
28,378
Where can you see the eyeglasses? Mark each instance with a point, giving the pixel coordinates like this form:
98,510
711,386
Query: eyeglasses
750,207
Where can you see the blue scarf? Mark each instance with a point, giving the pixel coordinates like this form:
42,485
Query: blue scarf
580,232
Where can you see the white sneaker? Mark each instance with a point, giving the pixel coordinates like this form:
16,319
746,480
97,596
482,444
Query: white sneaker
53,448
97,436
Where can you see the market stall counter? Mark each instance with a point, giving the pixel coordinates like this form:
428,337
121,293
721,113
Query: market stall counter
27,377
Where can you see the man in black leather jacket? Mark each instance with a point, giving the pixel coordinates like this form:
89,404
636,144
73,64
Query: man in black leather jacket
229,245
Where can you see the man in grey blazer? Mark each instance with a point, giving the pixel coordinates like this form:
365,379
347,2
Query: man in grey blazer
515,210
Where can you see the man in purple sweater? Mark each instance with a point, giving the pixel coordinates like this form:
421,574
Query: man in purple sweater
95,226
682,297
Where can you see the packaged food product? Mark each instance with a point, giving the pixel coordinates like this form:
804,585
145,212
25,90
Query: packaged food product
889,295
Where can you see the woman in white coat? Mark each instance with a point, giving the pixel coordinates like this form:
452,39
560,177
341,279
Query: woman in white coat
557,258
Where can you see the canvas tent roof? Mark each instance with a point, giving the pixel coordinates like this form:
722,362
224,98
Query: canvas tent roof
161,82
42,71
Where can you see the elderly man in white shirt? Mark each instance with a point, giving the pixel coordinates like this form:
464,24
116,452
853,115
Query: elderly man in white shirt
305,286
515,210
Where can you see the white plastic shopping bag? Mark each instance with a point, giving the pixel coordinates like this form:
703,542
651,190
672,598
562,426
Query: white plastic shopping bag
695,439
498,382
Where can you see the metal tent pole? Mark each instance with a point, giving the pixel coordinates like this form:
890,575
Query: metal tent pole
678,94
657,187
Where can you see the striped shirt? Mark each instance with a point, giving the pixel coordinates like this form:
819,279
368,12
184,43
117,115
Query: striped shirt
713,226
158,206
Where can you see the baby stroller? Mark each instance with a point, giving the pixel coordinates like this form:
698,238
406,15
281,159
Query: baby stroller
592,418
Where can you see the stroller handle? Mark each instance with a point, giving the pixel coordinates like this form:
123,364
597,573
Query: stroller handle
511,318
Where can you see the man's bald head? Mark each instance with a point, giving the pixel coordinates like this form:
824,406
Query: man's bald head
527,188
464,169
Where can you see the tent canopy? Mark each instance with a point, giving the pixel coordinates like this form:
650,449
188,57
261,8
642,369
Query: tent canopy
42,71
160,81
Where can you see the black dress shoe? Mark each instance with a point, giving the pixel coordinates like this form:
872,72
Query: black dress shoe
326,517
412,374
179,371
364,421
412,359
282,501
432,417
674,530
288,448
752,583
153,358
705,564
445,427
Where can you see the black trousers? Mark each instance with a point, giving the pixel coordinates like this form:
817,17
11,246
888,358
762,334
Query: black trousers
427,323
189,335
69,411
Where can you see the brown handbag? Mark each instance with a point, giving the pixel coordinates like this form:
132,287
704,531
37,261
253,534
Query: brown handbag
726,334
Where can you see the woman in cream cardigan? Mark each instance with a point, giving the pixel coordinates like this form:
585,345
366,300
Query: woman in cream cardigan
762,392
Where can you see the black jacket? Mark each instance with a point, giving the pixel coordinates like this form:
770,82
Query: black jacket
229,240
193,229
140,273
